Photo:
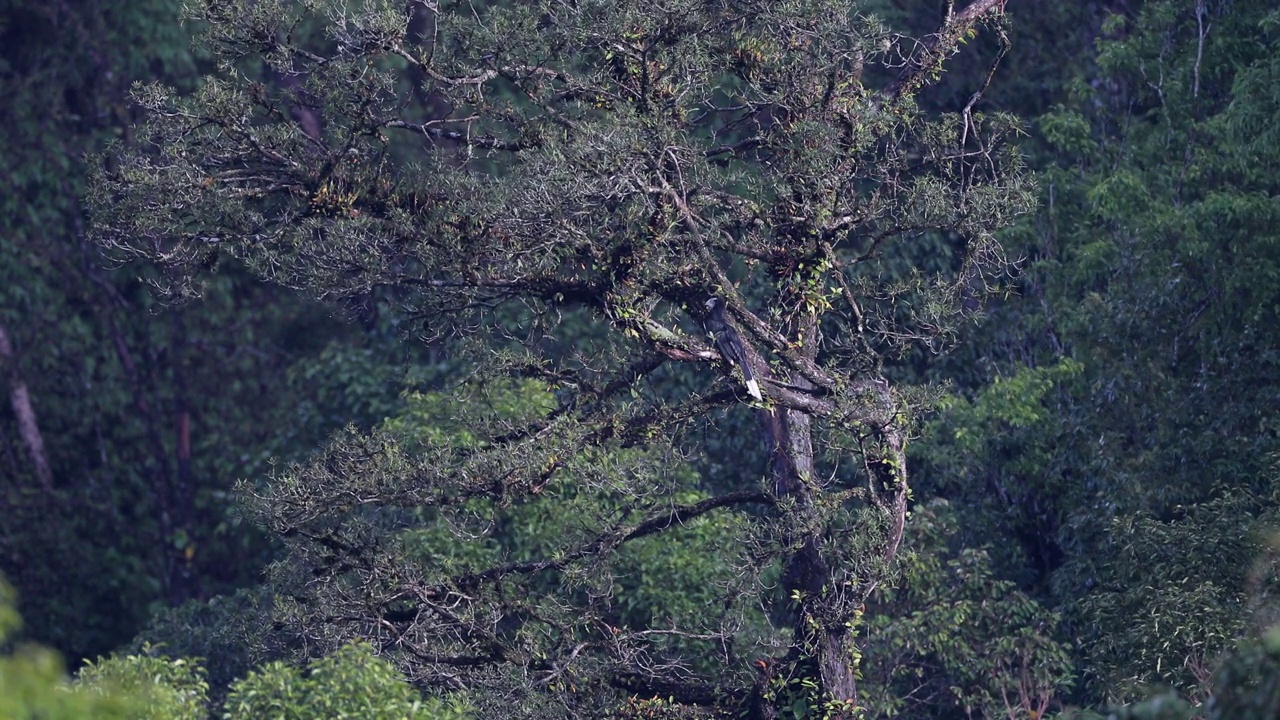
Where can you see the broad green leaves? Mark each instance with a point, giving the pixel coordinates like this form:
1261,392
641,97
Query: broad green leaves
352,684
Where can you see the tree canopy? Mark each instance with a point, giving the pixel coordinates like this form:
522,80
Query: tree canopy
553,190
780,359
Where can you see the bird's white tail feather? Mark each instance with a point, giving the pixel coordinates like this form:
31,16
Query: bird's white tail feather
753,387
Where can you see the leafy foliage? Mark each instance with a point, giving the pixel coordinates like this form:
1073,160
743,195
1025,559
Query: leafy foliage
34,685
352,683
1133,491
951,637
567,515
499,174
147,416
170,689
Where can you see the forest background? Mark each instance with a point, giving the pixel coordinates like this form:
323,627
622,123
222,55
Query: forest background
1092,509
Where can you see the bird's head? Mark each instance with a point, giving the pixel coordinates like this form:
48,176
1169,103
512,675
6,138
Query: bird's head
713,302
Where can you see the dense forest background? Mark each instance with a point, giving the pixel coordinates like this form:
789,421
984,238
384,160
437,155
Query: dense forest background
1093,447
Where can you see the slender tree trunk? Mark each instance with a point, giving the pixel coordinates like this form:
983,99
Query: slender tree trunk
141,378
182,580
20,400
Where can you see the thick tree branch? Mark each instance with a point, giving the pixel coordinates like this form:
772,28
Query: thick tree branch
940,45
612,539
485,142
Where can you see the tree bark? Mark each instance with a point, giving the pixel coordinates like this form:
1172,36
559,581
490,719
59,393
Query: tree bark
181,578
20,400
821,613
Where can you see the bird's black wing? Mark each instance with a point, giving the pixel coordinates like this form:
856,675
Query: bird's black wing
729,343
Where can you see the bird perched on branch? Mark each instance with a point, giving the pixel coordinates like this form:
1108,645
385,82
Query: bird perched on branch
729,343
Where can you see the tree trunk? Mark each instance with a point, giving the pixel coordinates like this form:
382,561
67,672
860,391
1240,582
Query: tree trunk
825,601
20,400
181,578
822,635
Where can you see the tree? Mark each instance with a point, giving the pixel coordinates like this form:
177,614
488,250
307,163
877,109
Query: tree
117,414
77,466
950,637
33,684
351,683
1126,451
504,173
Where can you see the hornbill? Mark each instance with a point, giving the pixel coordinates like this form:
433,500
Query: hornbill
729,343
